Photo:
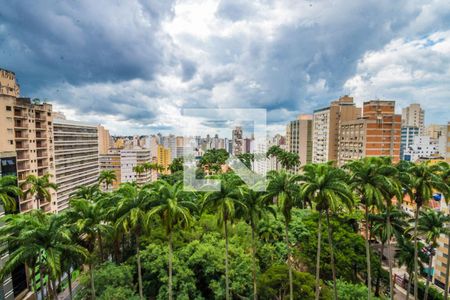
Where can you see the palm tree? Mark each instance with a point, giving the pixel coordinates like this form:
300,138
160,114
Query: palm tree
41,238
174,207
326,186
405,256
39,187
139,170
431,225
283,187
386,224
420,181
257,208
108,177
370,178
8,192
133,217
225,203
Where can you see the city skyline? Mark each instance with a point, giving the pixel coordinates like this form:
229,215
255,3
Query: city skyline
135,68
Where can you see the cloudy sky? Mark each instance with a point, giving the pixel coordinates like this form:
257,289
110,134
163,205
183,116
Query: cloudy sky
132,65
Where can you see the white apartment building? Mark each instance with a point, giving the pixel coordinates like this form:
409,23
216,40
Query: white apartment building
129,158
76,158
422,147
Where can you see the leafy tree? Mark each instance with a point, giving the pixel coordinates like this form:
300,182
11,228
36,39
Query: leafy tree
326,187
283,187
108,177
247,159
174,207
225,202
273,284
8,192
176,165
351,291
213,159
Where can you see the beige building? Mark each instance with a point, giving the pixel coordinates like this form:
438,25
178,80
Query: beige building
326,126
376,133
111,161
414,115
163,157
8,84
299,138
104,140
76,158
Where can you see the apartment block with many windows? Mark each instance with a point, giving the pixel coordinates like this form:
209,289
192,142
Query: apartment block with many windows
129,158
76,158
111,161
299,138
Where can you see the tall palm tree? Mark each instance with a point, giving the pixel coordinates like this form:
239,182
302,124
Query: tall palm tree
431,225
284,189
387,223
174,207
225,203
139,170
9,191
87,216
133,217
40,236
39,187
328,189
108,177
370,178
257,208
420,181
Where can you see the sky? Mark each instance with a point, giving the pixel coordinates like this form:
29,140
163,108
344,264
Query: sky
134,65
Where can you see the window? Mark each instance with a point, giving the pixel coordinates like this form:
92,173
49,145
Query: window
8,108
11,142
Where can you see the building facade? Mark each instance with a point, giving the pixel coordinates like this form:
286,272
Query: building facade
129,158
237,141
326,126
163,157
376,133
8,84
414,115
407,137
111,161
299,138
104,140
76,158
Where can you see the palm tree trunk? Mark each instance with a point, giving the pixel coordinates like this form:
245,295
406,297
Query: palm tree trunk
255,289
100,245
390,257
416,254
333,267
55,290
170,266
69,280
430,266
138,258
410,279
227,283
41,278
377,286
447,270
291,286
369,275
319,243
91,274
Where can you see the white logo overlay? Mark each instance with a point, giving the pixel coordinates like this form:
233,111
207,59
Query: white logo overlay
247,156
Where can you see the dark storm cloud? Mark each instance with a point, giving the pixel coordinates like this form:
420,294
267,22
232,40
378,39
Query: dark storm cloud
47,42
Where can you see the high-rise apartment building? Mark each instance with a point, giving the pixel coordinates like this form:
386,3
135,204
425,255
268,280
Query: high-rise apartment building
299,138
163,157
8,84
26,130
237,141
111,161
76,158
376,133
129,158
104,140
414,115
407,137
326,126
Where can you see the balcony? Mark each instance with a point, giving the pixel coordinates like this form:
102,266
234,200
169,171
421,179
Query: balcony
19,115
40,145
20,135
21,146
19,125
21,157
41,154
40,136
